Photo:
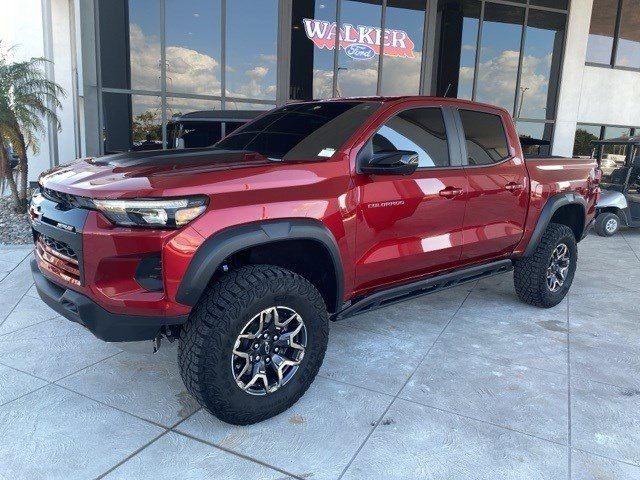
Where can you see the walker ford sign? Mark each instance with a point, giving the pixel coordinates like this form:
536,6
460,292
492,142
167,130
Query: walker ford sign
361,42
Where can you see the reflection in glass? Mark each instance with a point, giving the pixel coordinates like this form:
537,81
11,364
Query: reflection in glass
193,46
541,65
312,44
499,55
131,122
616,152
400,73
419,130
628,51
485,137
251,48
130,44
358,77
144,44
468,48
585,136
535,131
602,31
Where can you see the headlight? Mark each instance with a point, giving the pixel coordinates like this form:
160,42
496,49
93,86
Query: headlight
171,213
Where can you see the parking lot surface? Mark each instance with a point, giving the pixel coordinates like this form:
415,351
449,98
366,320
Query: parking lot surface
464,384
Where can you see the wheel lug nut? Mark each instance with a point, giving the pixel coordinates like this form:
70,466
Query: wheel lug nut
267,360
276,349
275,337
257,358
256,346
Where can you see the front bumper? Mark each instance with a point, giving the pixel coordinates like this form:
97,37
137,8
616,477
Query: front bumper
105,325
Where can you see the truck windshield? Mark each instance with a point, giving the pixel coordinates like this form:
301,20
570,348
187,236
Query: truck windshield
304,131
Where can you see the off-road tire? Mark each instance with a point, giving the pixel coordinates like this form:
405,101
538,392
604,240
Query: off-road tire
207,340
529,275
601,224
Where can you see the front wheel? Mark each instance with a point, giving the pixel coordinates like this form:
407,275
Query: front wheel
544,278
253,343
607,224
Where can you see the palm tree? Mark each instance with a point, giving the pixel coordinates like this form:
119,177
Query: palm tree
27,100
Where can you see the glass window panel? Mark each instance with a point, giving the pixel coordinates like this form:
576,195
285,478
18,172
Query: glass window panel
628,51
616,152
560,4
193,46
471,12
130,44
485,136
499,55
193,123
312,44
251,48
541,65
602,31
131,122
401,66
535,131
358,64
420,130
585,135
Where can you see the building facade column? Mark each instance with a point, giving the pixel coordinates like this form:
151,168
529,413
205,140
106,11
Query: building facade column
578,23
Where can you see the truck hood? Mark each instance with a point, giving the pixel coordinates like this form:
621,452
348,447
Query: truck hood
158,173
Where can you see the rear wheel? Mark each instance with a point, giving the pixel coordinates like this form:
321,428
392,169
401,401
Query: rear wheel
544,278
607,224
254,343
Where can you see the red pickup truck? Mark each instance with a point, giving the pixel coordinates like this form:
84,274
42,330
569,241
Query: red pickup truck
314,211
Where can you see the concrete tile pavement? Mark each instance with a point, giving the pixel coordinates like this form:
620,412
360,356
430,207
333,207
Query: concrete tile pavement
468,383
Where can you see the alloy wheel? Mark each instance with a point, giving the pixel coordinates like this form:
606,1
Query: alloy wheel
558,267
611,226
269,350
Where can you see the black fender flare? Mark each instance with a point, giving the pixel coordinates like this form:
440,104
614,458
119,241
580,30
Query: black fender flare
554,203
214,250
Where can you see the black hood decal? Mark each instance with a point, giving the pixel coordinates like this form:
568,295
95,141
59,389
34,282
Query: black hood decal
195,156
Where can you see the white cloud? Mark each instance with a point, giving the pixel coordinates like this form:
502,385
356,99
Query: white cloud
188,71
257,72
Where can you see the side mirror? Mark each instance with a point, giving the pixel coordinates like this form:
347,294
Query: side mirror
396,162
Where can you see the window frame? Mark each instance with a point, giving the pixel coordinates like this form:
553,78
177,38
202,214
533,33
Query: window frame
463,136
451,130
614,47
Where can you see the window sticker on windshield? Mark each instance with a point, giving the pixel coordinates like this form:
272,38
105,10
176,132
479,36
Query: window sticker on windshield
327,152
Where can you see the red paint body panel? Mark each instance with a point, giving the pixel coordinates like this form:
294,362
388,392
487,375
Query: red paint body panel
388,229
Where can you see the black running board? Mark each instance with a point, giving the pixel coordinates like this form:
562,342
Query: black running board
422,287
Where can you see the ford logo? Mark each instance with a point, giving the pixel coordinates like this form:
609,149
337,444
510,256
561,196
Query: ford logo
358,51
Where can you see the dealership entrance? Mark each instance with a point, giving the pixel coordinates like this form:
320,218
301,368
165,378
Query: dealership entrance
165,59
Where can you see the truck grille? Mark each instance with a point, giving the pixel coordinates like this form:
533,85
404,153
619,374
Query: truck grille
58,258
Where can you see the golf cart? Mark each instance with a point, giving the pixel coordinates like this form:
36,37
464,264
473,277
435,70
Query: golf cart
619,203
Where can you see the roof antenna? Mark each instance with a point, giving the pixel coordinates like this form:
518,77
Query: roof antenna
447,90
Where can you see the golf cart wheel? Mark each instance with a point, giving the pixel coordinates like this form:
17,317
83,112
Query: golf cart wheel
607,224
544,278
253,343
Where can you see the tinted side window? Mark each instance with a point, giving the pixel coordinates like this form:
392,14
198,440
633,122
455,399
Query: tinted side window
421,130
485,136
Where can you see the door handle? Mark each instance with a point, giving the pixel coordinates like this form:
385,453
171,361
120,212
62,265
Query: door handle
450,192
513,186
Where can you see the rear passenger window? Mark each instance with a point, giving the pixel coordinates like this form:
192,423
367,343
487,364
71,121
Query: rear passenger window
486,139
421,130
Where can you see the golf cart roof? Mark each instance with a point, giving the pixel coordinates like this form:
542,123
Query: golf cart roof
619,141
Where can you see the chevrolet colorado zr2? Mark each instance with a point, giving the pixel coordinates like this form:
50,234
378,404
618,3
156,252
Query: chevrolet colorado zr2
244,251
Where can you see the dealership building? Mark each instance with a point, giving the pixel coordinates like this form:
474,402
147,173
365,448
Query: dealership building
142,74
